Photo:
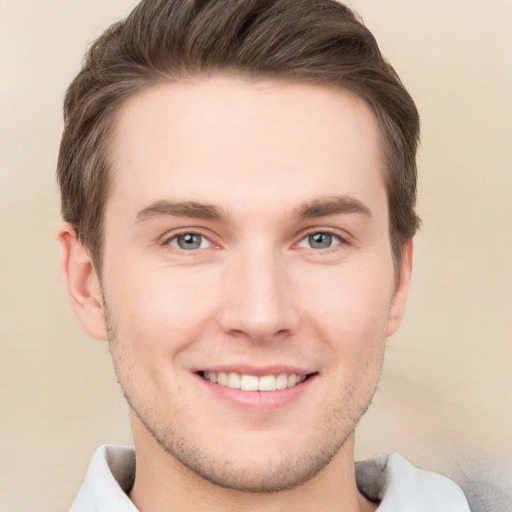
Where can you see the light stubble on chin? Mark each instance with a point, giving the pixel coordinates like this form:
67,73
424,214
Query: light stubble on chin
223,471
289,472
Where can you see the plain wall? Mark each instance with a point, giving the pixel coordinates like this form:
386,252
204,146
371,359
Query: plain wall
446,392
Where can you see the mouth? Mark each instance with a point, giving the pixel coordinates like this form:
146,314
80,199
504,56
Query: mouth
246,382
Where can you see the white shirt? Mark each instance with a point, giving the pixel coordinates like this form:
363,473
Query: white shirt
399,486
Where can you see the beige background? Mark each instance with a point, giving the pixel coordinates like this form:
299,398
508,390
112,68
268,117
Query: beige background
446,393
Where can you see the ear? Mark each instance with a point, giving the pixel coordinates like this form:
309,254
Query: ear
82,282
396,311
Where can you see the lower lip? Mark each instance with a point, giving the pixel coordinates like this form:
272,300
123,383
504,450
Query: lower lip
260,401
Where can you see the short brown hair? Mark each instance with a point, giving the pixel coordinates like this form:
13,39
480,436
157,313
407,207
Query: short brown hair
317,41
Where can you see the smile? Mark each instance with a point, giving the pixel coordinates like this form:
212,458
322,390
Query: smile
254,383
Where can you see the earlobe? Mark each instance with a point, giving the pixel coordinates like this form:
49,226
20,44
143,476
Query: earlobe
82,282
402,289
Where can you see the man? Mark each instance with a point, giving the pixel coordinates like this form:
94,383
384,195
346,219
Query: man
238,185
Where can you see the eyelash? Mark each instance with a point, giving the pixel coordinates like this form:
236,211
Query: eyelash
328,232
175,236
332,233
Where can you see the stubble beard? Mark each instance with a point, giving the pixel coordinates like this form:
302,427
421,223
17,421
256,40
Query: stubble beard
240,475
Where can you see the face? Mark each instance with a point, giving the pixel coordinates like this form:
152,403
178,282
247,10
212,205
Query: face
248,280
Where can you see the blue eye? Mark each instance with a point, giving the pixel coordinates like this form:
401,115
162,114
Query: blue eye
320,240
190,241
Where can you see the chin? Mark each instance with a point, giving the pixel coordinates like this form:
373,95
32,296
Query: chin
258,476
257,462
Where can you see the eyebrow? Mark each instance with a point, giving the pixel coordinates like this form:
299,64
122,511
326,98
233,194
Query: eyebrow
335,205
320,207
190,209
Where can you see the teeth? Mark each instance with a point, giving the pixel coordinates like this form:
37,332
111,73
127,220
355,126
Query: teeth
267,383
249,383
292,380
252,383
282,381
233,380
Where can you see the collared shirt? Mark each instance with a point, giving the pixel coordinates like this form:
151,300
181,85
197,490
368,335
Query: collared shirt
399,486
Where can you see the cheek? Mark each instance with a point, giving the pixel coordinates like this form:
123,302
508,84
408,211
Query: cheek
351,315
155,318
356,303
161,308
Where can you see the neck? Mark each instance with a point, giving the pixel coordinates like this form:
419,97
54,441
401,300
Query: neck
163,483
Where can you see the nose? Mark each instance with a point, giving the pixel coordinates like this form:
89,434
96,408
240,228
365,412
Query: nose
259,302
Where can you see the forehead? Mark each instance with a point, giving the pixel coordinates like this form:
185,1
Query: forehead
230,140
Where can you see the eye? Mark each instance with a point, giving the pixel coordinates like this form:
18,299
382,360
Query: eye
190,241
320,240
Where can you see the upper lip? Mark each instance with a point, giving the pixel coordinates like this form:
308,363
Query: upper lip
258,371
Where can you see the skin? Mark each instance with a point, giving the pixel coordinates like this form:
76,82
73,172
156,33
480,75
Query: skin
275,162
